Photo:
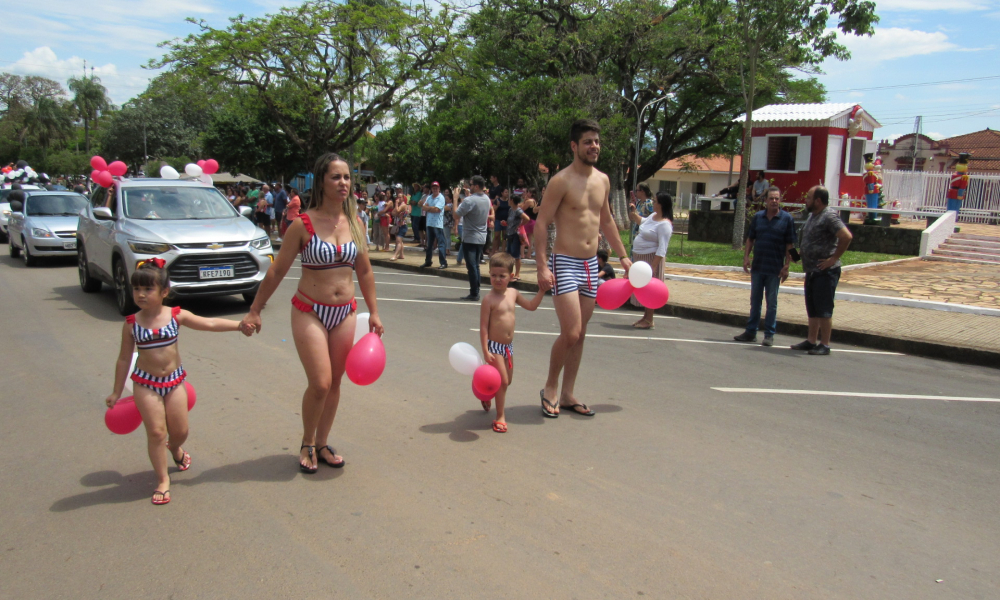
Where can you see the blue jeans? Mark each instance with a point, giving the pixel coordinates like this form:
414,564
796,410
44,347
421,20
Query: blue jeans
472,253
435,237
458,259
763,285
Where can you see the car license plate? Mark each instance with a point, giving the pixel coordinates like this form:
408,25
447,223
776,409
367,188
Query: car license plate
69,245
215,272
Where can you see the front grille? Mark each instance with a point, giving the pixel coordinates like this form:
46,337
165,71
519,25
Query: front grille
185,268
66,234
206,245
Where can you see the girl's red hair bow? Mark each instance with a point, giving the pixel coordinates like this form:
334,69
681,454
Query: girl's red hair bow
159,263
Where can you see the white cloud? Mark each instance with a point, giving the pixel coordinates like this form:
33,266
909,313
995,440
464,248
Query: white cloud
895,42
43,61
950,5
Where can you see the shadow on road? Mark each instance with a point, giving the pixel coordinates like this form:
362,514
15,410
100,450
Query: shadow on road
465,426
44,262
117,488
99,306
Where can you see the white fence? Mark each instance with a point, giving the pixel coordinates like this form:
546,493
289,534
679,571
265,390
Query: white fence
915,190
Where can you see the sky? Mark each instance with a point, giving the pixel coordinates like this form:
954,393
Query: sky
916,41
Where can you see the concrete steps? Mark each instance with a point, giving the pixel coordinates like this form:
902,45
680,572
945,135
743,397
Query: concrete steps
973,243
970,261
979,238
969,248
962,247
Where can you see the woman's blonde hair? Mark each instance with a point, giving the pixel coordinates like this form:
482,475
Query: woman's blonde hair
350,204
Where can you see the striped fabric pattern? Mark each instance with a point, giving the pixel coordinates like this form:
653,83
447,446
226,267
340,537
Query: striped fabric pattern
506,350
161,385
574,274
317,254
155,338
330,315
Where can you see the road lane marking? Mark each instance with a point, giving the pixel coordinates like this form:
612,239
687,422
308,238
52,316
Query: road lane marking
683,340
854,394
476,304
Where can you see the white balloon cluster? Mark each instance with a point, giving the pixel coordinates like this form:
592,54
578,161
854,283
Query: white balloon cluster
168,172
464,358
640,274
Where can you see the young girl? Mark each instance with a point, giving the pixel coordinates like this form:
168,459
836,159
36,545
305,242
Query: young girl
332,244
159,377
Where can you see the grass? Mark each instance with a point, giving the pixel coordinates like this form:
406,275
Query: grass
710,253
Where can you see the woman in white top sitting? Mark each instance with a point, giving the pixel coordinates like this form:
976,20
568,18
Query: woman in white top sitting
650,243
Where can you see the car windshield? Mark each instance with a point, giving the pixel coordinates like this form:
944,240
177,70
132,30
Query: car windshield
176,203
68,205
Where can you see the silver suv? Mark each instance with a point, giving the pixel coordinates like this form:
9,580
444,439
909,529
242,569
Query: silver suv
209,247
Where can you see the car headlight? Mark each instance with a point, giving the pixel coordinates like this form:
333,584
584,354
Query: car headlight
148,247
41,233
6,214
261,244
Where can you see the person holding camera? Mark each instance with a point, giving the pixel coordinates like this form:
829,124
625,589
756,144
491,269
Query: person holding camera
770,237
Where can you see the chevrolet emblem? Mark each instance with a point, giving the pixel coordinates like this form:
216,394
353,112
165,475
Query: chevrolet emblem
214,246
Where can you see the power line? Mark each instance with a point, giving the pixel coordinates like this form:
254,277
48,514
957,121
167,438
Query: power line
909,85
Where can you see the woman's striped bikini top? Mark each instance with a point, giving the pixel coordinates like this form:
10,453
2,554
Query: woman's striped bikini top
155,338
317,254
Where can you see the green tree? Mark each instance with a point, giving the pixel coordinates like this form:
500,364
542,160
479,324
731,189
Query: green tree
90,98
348,63
49,121
242,136
763,37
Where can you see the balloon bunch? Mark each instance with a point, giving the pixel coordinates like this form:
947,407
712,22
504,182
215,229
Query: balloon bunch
21,172
202,171
104,174
485,378
366,360
124,418
651,293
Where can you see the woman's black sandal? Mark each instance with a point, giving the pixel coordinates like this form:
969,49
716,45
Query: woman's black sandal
302,467
319,455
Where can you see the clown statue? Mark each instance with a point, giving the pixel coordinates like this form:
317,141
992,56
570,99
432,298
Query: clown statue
959,183
873,187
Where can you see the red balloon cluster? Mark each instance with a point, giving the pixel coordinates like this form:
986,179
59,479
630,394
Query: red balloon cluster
485,382
615,292
124,418
366,360
209,167
103,173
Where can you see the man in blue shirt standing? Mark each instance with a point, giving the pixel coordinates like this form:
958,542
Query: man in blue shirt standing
770,238
433,207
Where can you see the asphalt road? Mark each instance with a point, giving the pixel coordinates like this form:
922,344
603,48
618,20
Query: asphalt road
674,490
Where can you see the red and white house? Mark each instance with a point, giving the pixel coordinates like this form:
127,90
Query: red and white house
802,145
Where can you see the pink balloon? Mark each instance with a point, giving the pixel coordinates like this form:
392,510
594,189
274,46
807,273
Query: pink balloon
93,175
192,396
104,179
654,295
366,360
118,168
613,293
481,397
201,163
211,166
123,418
98,163
486,380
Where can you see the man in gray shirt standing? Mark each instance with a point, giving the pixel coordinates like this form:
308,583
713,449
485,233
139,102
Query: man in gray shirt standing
474,210
825,238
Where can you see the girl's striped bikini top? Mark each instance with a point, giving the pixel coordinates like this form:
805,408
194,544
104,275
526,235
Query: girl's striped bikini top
317,254
155,338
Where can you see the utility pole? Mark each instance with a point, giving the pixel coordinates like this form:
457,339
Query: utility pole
917,126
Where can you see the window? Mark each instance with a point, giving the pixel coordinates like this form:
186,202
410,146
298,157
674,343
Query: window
781,152
699,189
98,197
669,187
855,156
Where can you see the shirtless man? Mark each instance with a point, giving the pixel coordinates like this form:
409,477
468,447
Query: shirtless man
577,201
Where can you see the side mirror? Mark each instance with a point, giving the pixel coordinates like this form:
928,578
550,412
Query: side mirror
246,211
16,206
103,213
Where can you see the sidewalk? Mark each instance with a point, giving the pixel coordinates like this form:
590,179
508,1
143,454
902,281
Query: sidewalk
958,337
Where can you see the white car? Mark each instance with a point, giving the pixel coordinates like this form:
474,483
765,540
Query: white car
5,208
44,224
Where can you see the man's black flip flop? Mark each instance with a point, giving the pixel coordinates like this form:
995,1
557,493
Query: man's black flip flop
545,411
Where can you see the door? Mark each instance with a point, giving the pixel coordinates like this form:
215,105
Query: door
100,237
834,158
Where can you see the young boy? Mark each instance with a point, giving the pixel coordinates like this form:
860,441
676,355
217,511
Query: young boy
515,219
604,270
496,328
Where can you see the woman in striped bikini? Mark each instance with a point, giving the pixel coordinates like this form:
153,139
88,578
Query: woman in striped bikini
333,247
159,394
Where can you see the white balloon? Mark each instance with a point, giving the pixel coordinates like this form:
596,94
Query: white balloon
206,179
168,172
640,274
193,170
464,358
361,329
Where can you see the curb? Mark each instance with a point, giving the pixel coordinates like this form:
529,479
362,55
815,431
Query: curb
958,354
